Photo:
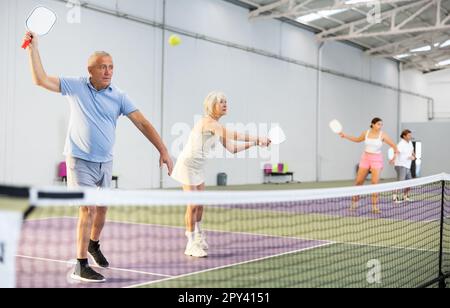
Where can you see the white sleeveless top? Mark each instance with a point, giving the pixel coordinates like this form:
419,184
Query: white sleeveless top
190,166
373,146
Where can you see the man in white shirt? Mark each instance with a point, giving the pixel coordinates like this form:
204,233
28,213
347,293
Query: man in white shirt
403,163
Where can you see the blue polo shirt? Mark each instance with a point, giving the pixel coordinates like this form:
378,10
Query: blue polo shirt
93,119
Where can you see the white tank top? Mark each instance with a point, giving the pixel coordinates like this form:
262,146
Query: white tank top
373,146
191,164
199,146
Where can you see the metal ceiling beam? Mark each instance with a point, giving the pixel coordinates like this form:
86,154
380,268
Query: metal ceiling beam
428,62
412,42
353,32
402,43
381,39
435,40
268,7
351,27
437,55
415,30
301,9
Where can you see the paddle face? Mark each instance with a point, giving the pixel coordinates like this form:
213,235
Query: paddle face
391,154
277,136
336,126
419,150
40,21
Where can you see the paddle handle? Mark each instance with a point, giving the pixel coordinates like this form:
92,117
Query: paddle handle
26,44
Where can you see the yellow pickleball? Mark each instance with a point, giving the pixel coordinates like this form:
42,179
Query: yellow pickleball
174,40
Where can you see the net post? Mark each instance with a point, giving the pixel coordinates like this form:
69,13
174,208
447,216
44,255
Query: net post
442,284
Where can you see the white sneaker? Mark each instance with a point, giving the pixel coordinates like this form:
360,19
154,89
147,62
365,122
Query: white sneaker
398,200
194,250
200,238
408,199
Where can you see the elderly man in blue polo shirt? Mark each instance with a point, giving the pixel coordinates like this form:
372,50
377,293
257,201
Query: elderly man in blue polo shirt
95,106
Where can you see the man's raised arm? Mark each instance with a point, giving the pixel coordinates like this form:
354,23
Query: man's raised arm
38,73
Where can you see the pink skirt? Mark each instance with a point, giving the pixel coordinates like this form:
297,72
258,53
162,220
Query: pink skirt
371,161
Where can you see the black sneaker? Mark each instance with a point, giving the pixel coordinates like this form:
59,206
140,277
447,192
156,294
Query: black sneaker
87,274
97,255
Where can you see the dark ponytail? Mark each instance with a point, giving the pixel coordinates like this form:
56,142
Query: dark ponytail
375,121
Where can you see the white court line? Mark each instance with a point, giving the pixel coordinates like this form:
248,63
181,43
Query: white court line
269,257
109,268
169,277
208,230
47,218
324,242
276,236
285,237
437,220
222,231
229,265
367,217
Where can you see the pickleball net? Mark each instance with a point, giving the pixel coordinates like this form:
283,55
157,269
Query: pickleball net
266,239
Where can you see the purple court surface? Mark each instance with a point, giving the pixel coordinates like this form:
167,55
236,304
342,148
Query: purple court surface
137,253
423,208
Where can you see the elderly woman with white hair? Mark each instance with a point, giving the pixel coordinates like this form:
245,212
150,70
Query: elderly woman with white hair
190,167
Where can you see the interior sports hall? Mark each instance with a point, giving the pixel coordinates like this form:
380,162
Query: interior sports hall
255,144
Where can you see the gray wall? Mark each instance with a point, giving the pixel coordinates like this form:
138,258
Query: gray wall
436,147
36,121
354,104
260,89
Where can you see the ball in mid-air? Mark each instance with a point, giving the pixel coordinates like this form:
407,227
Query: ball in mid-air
174,40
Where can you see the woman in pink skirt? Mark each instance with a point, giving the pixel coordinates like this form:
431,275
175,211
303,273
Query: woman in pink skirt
372,158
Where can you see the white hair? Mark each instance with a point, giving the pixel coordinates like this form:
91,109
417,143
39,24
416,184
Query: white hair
98,54
211,101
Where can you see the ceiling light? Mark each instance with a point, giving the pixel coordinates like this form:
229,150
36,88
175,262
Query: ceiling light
420,49
319,15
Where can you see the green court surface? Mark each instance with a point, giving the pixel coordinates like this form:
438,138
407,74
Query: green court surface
333,266
290,186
